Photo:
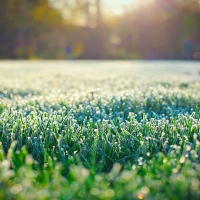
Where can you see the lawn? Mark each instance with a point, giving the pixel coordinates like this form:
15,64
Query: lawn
99,130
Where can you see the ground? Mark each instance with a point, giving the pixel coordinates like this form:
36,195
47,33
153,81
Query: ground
99,130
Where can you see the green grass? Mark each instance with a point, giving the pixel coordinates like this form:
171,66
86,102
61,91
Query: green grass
98,132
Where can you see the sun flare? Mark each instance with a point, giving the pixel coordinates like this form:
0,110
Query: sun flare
117,7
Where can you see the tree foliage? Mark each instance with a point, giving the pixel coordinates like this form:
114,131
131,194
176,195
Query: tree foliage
79,29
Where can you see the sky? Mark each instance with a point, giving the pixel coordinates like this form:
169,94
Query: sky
116,6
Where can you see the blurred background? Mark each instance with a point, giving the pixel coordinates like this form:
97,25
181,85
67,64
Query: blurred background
100,29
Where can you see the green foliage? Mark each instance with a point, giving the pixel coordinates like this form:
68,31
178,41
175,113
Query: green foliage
131,142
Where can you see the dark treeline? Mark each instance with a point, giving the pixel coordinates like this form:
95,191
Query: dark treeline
40,29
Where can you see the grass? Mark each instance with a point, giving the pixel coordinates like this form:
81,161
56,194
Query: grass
98,132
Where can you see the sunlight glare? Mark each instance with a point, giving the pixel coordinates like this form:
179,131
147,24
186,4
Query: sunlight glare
117,7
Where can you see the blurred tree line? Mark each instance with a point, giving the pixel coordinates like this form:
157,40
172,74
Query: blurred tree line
80,29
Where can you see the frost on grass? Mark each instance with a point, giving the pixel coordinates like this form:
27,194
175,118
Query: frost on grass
135,131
